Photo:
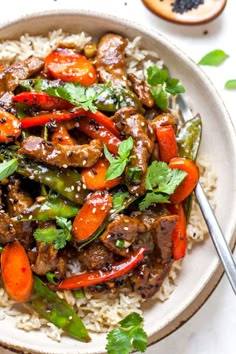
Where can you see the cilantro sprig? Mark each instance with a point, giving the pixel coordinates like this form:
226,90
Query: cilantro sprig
79,95
162,86
161,181
118,164
129,336
58,236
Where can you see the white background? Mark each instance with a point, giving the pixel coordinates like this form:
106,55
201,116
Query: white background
212,329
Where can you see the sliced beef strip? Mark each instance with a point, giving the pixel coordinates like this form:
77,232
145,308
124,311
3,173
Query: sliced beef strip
110,60
9,78
17,201
148,277
163,119
61,155
135,125
123,229
96,256
6,103
142,90
7,230
47,258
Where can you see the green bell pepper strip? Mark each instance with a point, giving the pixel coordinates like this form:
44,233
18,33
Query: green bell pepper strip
51,208
65,181
48,305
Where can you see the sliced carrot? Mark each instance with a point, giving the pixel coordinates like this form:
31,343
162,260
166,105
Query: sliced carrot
10,127
67,65
94,177
189,183
97,131
61,136
91,215
179,233
16,272
167,142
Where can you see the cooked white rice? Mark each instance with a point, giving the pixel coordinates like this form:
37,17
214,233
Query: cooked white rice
103,313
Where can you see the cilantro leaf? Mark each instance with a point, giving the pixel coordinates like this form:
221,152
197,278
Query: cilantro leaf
161,181
118,164
129,336
153,198
7,168
78,95
58,237
162,86
214,58
230,84
118,200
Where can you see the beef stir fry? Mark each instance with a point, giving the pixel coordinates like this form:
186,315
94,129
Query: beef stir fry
95,167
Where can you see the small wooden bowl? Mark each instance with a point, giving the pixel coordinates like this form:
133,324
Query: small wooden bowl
205,12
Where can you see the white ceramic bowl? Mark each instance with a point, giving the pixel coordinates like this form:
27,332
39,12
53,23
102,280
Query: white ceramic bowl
201,270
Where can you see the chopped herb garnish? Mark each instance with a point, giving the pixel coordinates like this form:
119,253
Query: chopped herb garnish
118,164
162,86
120,243
161,182
58,237
128,336
214,58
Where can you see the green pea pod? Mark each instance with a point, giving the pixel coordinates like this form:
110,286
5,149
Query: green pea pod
49,306
189,137
51,208
65,181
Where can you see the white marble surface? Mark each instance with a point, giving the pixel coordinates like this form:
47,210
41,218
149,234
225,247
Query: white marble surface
212,329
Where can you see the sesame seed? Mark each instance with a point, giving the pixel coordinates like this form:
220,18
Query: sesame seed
103,207
126,228
94,210
84,162
83,186
64,166
78,188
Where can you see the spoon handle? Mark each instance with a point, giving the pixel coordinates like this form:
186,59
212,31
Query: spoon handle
217,236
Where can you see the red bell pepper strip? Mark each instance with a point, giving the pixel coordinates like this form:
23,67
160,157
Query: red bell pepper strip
61,136
166,142
98,117
68,65
42,101
189,183
96,131
92,214
100,276
179,233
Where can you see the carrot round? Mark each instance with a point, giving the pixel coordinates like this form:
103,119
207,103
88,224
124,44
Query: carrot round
91,215
166,142
67,65
16,272
10,127
189,183
94,177
62,137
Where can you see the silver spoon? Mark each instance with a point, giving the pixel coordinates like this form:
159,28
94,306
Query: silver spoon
214,229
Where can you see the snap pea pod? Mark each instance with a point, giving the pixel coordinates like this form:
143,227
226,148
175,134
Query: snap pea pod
189,137
48,305
49,209
188,140
106,98
65,181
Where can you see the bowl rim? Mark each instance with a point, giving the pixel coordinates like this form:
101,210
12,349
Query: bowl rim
218,272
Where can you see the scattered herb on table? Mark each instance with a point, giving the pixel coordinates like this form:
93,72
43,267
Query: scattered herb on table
162,85
129,336
214,58
230,84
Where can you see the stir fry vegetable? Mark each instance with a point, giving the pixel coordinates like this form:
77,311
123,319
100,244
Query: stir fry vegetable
95,171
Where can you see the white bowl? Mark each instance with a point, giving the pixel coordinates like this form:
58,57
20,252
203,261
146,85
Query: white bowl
201,269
